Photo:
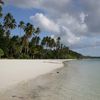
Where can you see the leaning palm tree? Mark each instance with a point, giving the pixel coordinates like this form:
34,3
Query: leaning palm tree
29,31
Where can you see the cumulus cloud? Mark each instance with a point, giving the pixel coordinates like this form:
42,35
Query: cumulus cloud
61,27
75,21
69,36
45,23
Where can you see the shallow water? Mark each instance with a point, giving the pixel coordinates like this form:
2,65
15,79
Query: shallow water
83,79
78,80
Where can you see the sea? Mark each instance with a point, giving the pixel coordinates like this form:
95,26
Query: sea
77,80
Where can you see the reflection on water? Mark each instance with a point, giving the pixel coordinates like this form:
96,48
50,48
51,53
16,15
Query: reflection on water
78,80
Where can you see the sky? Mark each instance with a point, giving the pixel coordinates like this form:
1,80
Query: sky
77,22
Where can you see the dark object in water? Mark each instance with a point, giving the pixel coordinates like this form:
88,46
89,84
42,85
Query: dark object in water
57,72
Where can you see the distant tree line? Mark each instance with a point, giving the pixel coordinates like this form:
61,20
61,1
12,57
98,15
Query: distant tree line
28,44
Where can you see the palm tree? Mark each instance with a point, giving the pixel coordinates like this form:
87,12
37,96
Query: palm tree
1,12
52,43
25,44
37,31
1,2
21,26
58,43
37,40
43,41
9,22
1,30
14,47
29,30
47,42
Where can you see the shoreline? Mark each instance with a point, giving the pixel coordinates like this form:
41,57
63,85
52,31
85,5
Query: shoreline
15,71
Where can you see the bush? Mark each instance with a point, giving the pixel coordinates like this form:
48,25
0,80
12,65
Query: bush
24,56
1,53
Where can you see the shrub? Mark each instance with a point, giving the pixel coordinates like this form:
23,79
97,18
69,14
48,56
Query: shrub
24,56
1,53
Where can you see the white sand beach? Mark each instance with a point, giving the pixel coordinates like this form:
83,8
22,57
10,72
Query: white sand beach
19,79
16,71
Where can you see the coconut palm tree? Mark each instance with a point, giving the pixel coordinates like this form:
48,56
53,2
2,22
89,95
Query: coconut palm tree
29,30
1,30
37,31
9,22
35,40
21,26
43,41
1,2
25,44
52,43
14,47
58,43
1,12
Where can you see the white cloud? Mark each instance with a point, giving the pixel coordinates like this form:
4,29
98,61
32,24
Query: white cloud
70,19
82,17
69,36
45,23
56,27
73,24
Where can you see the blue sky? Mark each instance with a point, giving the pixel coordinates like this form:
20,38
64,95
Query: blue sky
77,22
22,14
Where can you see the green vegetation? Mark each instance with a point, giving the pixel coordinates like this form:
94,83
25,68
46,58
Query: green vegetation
1,53
28,44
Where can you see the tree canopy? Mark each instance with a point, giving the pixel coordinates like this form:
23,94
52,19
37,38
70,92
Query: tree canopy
28,44
1,53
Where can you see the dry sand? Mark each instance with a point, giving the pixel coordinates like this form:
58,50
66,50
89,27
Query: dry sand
15,71
18,78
